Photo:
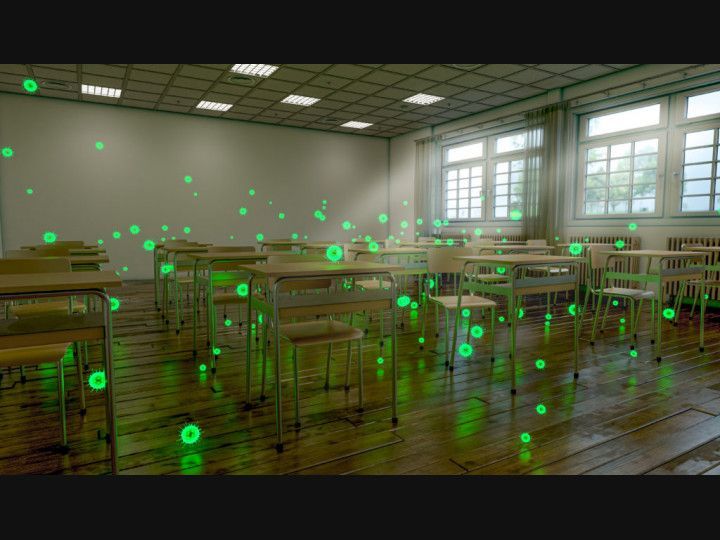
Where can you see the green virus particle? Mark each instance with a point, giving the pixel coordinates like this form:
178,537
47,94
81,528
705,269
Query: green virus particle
319,215
437,223
421,340
195,193
270,203
622,320
227,322
148,245
216,351
548,317
465,313
404,203
445,222
620,244
541,409
380,360
706,296
382,218
478,232
615,303
294,236
100,241
242,211
346,225
188,179
324,202
186,230
114,304
134,229
557,238
259,237
504,239
202,368
30,86
124,268
547,323
49,237
632,226
501,319
166,268
438,241
515,215
525,437
334,253
431,283
242,289
477,331
586,239
251,192
96,381
540,363
419,221
99,145
116,235
465,350
403,301
572,309
373,247
450,242
7,152
368,238
575,249
29,191
669,313
403,224
501,270
414,305
521,313
190,434
164,227
163,238
498,230
633,353
305,237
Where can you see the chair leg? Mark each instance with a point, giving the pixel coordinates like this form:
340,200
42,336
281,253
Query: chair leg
584,308
23,378
327,367
297,388
652,322
637,319
632,325
678,300
86,357
607,308
81,382
447,337
264,362
492,334
595,318
61,401
695,299
360,373
347,366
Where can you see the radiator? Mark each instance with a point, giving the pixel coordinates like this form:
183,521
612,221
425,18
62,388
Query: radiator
674,243
458,236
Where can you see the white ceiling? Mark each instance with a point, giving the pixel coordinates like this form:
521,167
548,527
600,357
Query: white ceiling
363,92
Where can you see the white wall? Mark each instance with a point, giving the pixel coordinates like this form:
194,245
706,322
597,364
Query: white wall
402,184
83,193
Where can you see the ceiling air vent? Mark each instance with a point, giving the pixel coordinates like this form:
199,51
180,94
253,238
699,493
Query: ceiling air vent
466,66
55,85
242,80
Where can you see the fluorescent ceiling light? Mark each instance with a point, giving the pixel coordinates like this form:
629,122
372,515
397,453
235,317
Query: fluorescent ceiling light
423,99
101,91
212,106
305,101
256,70
356,125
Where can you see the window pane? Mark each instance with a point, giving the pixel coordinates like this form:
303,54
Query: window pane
698,155
620,164
645,177
595,208
595,167
501,189
510,143
620,150
620,179
476,171
646,162
451,214
696,204
501,201
649,146
464,184
643,205
463,213
596,181
475,213
592,195
475,193
619,193
464,173
469,151
699,138
452,194
643,190
699,187
452,185
595,154
515,200
517,165
517,177
463,193
501,167
501,211
697,171
501,179
703,104
618,207
631,119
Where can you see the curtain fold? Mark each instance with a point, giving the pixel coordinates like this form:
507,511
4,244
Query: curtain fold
547,166
427,178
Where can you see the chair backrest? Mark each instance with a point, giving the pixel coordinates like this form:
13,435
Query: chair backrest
230,249
299,285
596,259
22,254
37,265
441,260
538,242
68,243
53,251
688,247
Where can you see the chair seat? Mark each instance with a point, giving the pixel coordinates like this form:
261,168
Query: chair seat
468,301
37,354
319,332
637,294
180,279
373,284
490,277
45,308
552,269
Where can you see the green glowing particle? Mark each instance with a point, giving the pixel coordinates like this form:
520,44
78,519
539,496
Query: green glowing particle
547,323
305,237
586,239
465,350
228,322
525,437
515,215
382,218
541,409
501,318
134,229
294,236
116,234
49,237
633,353
242,289
575,249
521,313
368,238
438,241
99,145
324,202
124,268
403,301
632,226
190,434
380,360
437,223
504,239
615,303
195,193
557,238
501,270
7,152
260,318
188,179
431,283
620,244
163,238
419,221
334,253
259,237
405,203
413,305
478,232
706,296
242,211
319,215
30,86
403,224
29,191
421,340
186,230
114,304
216,351
166,268
498,230
572,309
251,192
548,317
669,313
622,321
148,245
445,222
96,381
373,247
465,313
477,331
164,227
346,225
202,368
450,242
270,203
100,241
540,363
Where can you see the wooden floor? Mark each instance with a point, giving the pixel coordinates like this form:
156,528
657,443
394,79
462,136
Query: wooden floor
623,416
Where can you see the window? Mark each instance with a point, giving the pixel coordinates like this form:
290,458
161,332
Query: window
703,105
463,181
508,174
462,153
699,176
623,121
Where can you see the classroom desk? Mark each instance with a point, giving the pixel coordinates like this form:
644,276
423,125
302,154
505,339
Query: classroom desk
514,264
300,244
525,249
388,251
275,305
172,253
663,276
80,327
159,250
319,245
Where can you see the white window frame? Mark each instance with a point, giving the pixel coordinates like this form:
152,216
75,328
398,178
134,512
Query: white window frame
461,164
509,156
680,103
585,119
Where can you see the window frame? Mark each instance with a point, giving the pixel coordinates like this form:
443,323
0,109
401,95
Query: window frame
586,117
508,156
680,106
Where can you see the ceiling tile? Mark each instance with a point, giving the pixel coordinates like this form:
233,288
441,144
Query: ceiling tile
498,70
363,87
104,69
349,71
200,72
347,97
385,78
292,75
254,102
499,86
101,81
498,100
139,96
474,107
175,100
314,91
55,74
307,67
471,80
328,81
187,82
589,72
406,69
162,68
360,109
279,86
19,69
232,89
524,92
270,95
137,103
184,92
145,87
414,84
528,76
444,90
472,95
389,113
555,82
559,68
440,73
375,101
149,76
395,93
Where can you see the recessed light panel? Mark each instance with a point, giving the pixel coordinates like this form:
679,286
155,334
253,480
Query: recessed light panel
423,99
300,100
212,106
256,70
356,125
101,91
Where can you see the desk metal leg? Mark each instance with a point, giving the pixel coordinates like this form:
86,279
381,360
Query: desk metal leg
576,330
109,384
394,350
512,315
703,302
248,373
658,334
196,292
278,380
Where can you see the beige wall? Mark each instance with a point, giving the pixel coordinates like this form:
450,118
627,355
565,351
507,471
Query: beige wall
82,193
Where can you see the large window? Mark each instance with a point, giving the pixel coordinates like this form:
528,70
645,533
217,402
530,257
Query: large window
463,195
508,175
699,180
